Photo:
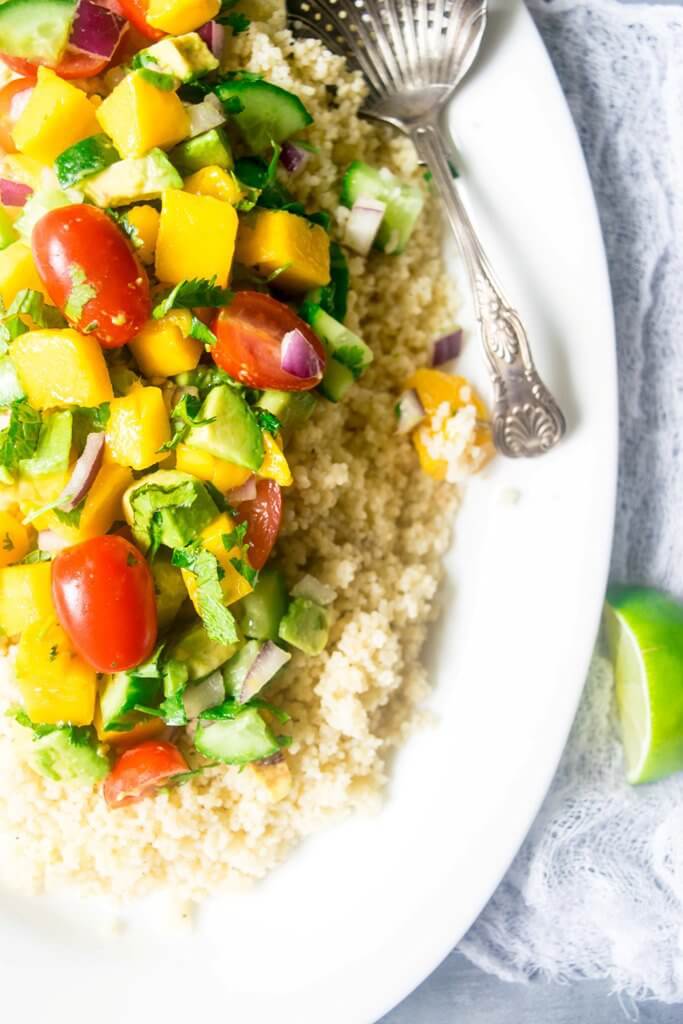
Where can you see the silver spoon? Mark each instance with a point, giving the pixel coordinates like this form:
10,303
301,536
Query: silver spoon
414,53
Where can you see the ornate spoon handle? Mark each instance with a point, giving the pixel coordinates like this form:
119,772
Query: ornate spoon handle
526,419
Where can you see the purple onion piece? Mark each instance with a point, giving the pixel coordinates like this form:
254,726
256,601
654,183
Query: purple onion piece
363,224
410,412
207,694
247,492
447,348
213,35
293,158
298,357
13,193
51,542
269,660
96,29
84,472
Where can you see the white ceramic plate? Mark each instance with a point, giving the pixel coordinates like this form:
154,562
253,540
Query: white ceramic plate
364,912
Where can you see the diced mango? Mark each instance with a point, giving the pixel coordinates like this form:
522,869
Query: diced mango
56,683
60,368
23,169
103,505
223,475
145,220
275,466
146,730
137,117
25,596
196,238
56,115
233,584
272,239
17,271
35,493
137,428
15,539
214,181
178,16
163,347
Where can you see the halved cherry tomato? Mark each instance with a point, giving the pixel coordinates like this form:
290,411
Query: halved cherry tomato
250,332
13,98
135,11
263,516
103,593
92,273
74,64
141,771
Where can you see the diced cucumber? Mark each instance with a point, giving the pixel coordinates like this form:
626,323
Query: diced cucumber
292,408
403,202
199,653
268,113
333,296
236,670
64,755
54,446
337,380
7,232
260,612
345,346
10,387
37,30
305,626
209,149
89,156
237,740
234,434
122,692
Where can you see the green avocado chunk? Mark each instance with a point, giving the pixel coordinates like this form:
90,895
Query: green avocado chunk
198,652
305,626
234,434
206,150
169,590
62,755
168,508
132,180
54,446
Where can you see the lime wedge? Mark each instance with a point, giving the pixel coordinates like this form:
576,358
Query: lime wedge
645,636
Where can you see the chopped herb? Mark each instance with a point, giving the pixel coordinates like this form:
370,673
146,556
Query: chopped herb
7,543
148,67
20,437
233,105
92,326
182,777
131,560
32,303
37,556
218,620
185,413
237,22
267,420
82,291
230,709
244,569
235,539
428,176
121,220
192,293
206,377
72,518
54,650
201,332
86,420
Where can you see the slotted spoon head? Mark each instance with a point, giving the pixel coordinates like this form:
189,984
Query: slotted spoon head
413,53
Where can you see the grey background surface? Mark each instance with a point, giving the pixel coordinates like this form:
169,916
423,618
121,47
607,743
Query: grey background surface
459,993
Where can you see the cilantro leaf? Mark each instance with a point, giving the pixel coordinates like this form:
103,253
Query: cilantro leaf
238,22
37,556
88,419
235,539
72,518
185,416
32,303
218,620
149,66
244,569
201,332
267,420
206,377
196,292
19,439
82,291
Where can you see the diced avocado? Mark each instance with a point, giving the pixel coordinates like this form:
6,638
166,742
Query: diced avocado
169,590
236,670
263,112
37,30
234,434
292,408
206,150
403,202
37,205
198,652
236,740
66,755
168,507
54,446
123,380
185,57
259,613
121,692
133,180
305,626
10,387
7,232
337,380
85,158
345,346
333,296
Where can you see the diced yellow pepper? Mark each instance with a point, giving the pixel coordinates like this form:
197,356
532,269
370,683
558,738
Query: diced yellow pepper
103,505
56,115
178,16
56,683
17,271
145,730
163,347
214,181
137,117
271,239
137,428
196,238
223,475
25,596
233,584
15,539
145,220
60,368
275,466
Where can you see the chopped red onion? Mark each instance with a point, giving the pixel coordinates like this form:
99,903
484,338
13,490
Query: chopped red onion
96,29
363,224
293,158
269,660
13,193
205,115
298,357
310,587
86,469
213,35
447,348
207,694
410,411
247,492
50,541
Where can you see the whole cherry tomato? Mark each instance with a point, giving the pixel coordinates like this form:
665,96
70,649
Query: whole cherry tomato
13,98
74,64
103,593
141,771
250,332
92,273
136,11
263,516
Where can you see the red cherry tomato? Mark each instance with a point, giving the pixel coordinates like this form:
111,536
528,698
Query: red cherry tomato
13,98
262,516
141,771
249,332
74,64
103,592
136,11
92,273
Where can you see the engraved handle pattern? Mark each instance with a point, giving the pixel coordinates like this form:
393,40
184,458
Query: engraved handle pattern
526,418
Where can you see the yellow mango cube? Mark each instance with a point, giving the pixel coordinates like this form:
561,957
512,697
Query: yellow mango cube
35,493
103,505
145,220
275,466
15,539
56,115
216,182
138,426
178,16
56,683
196,238
59,368
137,117
222,474
233,584
23,169
163,347
25,596
268,240
17,271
